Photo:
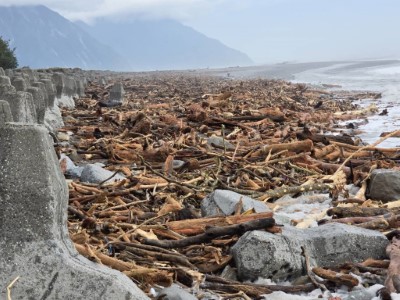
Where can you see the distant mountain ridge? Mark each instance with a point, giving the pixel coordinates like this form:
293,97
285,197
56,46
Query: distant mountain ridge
43,38
164,44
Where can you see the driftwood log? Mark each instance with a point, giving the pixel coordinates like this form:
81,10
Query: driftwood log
214,232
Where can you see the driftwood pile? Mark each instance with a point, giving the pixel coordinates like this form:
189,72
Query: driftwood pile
179,137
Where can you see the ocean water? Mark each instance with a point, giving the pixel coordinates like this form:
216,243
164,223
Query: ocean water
378,76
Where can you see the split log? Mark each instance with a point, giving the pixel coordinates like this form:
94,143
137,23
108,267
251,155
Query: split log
212,233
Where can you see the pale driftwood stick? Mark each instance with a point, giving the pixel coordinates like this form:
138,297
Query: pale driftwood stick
298,146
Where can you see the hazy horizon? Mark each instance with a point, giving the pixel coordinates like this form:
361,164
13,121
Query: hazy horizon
268,31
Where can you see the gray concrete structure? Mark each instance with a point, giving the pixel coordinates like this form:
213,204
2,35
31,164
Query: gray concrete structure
80,86
19,83
21,104
279,256
5,80
65,90
39,101
5,113
117,93
35,245
30,74
51,91
43,90
52,118
9,72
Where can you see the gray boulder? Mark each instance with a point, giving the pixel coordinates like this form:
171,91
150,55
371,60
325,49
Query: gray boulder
96,174
384,185
219,142
224,202
2,73
35,244
174,292
279,256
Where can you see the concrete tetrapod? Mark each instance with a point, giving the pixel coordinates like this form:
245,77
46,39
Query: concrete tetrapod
34,244
5,113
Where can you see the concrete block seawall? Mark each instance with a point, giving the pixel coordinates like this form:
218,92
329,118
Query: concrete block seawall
35,246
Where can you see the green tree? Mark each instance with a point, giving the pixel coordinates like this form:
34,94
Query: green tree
8,60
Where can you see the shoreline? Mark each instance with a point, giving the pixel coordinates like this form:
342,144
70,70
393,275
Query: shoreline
267,117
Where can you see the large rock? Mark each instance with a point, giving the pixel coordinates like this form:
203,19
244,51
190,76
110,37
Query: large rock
224,202
384,185
279,256
2,73
96,174
219,142
35,244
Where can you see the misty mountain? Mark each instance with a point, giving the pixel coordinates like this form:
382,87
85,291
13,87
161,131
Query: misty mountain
164,44
43,38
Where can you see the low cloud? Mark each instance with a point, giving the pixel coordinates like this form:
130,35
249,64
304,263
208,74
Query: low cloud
89,10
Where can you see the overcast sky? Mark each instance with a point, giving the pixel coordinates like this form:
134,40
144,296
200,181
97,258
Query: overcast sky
267,30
